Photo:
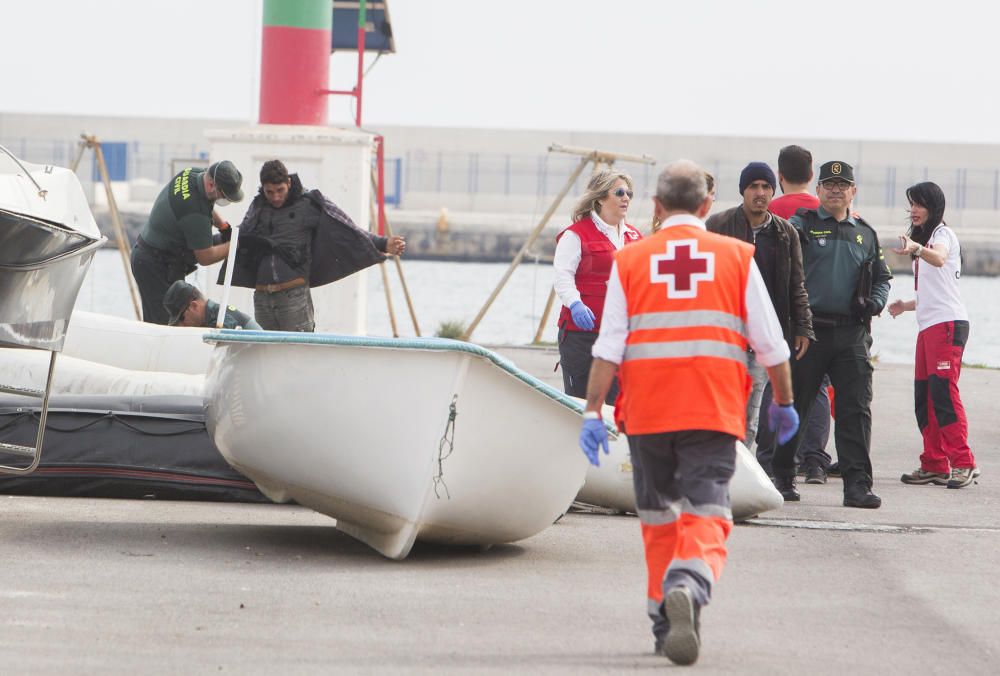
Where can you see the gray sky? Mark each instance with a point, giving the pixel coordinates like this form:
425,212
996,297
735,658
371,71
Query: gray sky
843,70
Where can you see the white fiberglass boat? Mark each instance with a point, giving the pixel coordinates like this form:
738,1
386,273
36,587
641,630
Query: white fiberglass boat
397,439
48,238
106,355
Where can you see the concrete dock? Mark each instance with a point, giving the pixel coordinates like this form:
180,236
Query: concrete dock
155,587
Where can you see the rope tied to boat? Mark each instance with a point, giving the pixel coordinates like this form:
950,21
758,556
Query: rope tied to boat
445,448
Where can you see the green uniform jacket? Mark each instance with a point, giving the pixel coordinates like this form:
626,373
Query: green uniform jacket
234,318
833,256
181,219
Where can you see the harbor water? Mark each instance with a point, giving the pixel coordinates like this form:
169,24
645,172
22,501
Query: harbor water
455,292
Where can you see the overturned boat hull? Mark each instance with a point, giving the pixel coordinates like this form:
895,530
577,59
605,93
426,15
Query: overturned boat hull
398,440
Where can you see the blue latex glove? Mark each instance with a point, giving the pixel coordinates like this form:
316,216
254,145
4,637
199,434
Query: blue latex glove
583,316
784,420
593,435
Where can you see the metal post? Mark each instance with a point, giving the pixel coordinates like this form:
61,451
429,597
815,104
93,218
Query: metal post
227,282
380,185
361,58
373,215
79,155
545,316
399,270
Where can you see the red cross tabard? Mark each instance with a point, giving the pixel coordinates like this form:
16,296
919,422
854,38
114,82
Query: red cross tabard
682,267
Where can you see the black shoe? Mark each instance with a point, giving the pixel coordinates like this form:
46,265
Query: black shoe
815,474
859,494
833,469
786,486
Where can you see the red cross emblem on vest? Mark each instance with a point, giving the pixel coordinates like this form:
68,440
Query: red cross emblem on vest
681,268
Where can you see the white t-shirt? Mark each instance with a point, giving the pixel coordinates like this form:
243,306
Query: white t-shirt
938,299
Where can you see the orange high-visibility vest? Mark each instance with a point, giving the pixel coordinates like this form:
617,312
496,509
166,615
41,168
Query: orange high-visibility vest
685,363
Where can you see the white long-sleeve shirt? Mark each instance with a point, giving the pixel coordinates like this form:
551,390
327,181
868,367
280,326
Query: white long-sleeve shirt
763,328
569,252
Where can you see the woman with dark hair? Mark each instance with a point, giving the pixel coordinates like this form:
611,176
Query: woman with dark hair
943,325
582,261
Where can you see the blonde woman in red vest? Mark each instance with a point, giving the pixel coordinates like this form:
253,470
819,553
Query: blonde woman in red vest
583,258
682,306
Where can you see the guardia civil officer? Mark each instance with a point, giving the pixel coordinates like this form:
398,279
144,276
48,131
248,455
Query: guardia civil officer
847,281
186,306
178,233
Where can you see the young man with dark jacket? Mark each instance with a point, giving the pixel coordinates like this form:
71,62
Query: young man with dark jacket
778,255
292,240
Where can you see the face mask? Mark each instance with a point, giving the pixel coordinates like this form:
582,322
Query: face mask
222,202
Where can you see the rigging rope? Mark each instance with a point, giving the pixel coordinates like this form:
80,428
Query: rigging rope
447,442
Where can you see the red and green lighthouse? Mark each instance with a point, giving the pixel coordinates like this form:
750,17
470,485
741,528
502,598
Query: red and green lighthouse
295,61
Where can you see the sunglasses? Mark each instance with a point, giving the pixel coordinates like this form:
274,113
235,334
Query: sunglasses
621,192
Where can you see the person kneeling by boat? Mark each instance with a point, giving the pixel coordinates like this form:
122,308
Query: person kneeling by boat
681,309
292,240
186,306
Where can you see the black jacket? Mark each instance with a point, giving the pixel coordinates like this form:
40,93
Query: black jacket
338,247
791,303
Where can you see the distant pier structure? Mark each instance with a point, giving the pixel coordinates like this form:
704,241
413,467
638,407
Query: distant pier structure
495,183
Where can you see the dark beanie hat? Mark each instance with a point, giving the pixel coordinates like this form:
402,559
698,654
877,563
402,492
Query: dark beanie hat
757,171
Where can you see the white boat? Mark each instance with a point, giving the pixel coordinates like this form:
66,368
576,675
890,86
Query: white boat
609,486
137,346
106,355
398,440
48,238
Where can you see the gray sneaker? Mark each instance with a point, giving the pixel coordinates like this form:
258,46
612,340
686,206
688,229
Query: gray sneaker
919,476
683,640
961,477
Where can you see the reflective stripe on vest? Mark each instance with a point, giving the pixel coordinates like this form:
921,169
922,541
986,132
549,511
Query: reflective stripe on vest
688,319
685,348
685,363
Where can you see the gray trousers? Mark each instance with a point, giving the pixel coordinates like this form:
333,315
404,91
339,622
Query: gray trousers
575,360
758,374
288,310
681,484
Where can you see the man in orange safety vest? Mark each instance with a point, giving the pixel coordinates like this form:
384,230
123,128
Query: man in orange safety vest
681,308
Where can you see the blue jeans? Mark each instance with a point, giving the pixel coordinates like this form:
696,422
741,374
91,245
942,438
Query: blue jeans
288,310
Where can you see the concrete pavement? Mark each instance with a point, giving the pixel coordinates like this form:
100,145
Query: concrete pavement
117,586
